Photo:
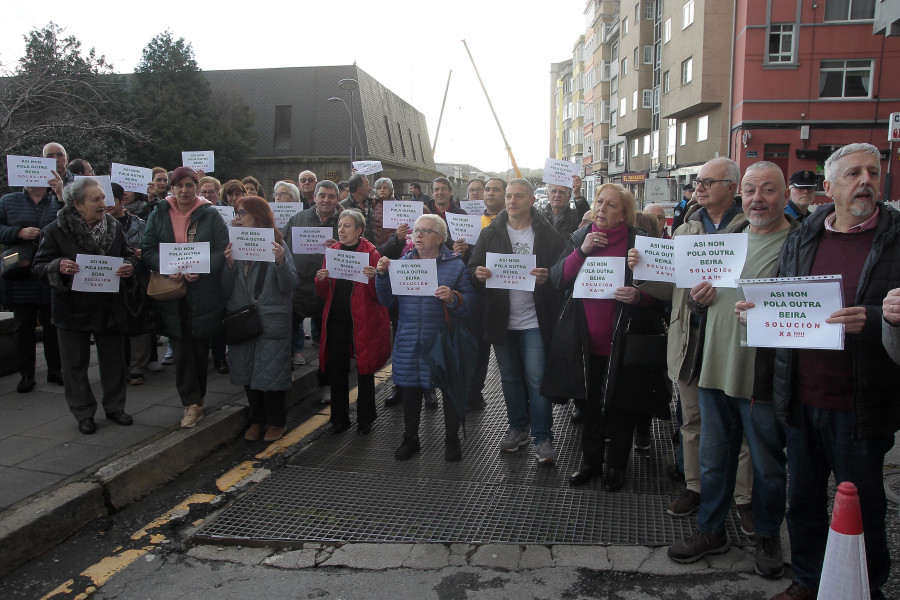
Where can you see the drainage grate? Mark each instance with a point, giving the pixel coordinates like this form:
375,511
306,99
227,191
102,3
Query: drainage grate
348,488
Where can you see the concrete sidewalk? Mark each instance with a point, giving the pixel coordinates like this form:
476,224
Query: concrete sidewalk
53,479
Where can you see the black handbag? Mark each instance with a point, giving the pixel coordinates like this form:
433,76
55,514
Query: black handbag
16,261
244,323
565,375
645,350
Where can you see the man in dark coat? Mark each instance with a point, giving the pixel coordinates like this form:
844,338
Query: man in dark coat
842,407
520,323
561,216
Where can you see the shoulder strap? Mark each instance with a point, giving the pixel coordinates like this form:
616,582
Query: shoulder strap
261,280
191,232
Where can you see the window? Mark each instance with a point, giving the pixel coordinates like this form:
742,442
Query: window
849,10
687,71
637,12
666,82
646,144
613,85
648,55
647,100
604,111
412,145
613,121
634,100
649,10
654,148
604,150
623,107
400,135
687,14
634,147
614,51
620,154
625,26
781,43
637,58
667,31
625,66
703,128
845,79
683,140
670,139
387,127
283,126
421,152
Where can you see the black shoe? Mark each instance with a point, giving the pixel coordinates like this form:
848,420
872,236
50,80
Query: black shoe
577,415
582,475
395,398
409,447
476,402
615,479
221,366
87,426
452,450
55,378
363,428
337,428
431,400
643,440
26,384
121,418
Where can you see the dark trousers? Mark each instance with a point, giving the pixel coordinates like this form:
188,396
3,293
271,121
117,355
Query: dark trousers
267,408
481,368
617,424
337,372
821,442
25,319
75,351
412,413
191,358
218,346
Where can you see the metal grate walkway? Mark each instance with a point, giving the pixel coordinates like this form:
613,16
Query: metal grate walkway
349,488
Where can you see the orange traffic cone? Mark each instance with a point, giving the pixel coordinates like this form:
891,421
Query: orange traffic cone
845,575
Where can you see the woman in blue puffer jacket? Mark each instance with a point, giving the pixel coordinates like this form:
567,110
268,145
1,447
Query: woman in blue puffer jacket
419,321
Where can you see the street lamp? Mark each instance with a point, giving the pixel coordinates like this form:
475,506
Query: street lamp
351,85
341,100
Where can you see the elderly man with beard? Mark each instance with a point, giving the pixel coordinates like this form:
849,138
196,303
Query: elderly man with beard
735,391
842,407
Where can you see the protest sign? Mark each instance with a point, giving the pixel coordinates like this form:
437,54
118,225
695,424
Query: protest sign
310,240
401,212
226,212
252,243
413,277
345,264
559,172
599,277
183,258
30,171
472,207
464,227
132,179
367,167
283,211
199,160
96,273
718,259
510,271
657,259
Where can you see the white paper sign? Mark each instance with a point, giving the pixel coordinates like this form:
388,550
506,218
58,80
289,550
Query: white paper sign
226,212
252,243
283,212
367,167
29,171
559,172
97,273
599,277
346,264
401,212
464,227
473,207
183,258
718,259
413,277
791,312
510,271
657,259
310,240
132,179
202,160
104,183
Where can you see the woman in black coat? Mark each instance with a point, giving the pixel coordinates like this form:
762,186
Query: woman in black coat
83,227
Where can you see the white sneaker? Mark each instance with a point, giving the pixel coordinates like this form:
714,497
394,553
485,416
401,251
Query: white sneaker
298,358
169,358
193,414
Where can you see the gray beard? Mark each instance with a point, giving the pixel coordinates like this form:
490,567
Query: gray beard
861,208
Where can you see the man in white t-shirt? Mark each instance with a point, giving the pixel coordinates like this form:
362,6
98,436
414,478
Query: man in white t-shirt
520,323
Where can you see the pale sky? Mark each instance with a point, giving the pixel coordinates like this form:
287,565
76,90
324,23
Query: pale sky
408,46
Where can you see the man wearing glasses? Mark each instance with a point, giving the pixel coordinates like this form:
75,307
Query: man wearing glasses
716,188
307,188
803,192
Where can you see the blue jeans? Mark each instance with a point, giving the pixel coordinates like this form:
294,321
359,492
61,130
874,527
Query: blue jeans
298,337
725,421
521,360
821,442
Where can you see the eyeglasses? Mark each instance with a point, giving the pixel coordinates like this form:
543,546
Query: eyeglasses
281,194
707,183
307,180
240,213
209,192
417,231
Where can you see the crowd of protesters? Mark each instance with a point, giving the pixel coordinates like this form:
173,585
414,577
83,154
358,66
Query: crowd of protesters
747,416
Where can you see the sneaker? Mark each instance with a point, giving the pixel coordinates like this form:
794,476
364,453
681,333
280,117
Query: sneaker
326,394
155,366
513,440
745,512
253,433
769,557
698,545
135,379
452,450
192,415
298,358
642,440
795,591
409,447
274,433
685,504
26,384
544,452
169,358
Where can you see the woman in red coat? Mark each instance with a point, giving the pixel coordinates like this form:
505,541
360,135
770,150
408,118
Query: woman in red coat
354,325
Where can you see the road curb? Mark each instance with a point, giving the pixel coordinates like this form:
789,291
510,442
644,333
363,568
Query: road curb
52,516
